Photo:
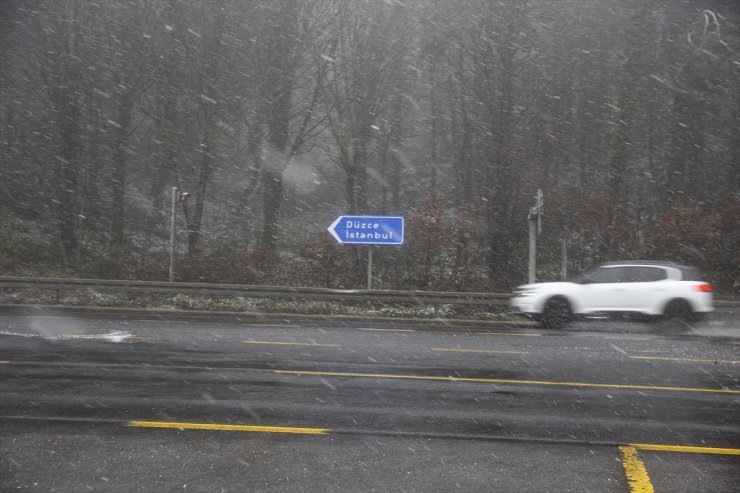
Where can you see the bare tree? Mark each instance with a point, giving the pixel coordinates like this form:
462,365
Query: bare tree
353,70
286,118
63,39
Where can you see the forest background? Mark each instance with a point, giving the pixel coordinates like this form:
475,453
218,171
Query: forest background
277,116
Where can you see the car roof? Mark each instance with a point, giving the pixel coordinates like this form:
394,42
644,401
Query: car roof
662,263
688,273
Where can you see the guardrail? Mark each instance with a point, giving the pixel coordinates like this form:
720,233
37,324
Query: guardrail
279,292
247,291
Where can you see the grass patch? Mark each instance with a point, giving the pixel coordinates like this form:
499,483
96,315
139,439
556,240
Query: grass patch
238,304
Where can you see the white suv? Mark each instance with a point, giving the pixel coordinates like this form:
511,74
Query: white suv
657,290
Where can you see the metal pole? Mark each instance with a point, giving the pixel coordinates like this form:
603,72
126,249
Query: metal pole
369,267
172,234
564,244
532,248
535,228
538,205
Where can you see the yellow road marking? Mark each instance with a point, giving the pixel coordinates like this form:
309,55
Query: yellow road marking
507,334
4,362
279,343
687,360
388,330
634,469
271,325
507,381
681,448
479,351
228,427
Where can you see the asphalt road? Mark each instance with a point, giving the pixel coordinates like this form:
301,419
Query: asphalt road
143,401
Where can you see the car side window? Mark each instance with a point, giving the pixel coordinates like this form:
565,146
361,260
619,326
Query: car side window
643,274
603,275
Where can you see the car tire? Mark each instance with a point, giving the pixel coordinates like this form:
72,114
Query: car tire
677,314
556,314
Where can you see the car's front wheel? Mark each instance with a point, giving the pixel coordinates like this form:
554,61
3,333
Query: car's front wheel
556,314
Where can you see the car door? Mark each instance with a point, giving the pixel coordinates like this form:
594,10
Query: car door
639,288
601,289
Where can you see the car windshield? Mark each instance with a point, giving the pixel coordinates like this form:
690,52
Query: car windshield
323,245
587,276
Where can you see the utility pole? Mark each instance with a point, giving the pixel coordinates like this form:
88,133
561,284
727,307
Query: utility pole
172,234
176,197
535,228
564,266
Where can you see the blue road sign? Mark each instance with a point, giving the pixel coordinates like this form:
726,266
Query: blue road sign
368,230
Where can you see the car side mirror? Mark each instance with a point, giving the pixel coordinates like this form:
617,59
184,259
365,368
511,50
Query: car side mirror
586,280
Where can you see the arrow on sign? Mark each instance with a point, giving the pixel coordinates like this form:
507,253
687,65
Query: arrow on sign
368,230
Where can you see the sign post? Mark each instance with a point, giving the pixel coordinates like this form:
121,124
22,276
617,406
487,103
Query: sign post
368,230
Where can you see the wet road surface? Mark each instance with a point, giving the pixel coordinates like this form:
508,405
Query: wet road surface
147,401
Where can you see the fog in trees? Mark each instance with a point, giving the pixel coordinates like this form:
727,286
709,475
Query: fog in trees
279,115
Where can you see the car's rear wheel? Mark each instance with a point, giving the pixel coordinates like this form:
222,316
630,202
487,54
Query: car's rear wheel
556,314
677,313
